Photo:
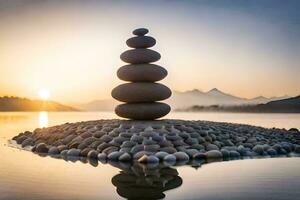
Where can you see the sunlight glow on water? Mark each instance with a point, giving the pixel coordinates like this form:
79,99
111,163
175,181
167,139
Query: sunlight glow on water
43,119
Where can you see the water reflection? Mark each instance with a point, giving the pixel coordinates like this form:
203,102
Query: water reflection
138,181
145,182
43,119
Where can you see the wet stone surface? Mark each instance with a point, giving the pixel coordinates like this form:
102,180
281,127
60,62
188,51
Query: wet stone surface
159,141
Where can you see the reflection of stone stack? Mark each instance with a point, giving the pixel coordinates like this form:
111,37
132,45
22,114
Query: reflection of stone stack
140,182
141,94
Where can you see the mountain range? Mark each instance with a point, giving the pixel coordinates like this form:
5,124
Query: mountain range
182,100
290,105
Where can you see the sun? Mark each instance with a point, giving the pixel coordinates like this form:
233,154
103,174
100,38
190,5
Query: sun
44,94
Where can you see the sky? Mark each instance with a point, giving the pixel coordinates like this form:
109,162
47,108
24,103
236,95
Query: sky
72,48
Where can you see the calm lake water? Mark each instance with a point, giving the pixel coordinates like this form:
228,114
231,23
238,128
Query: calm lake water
24,175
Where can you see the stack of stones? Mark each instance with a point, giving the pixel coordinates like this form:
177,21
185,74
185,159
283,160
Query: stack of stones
141,94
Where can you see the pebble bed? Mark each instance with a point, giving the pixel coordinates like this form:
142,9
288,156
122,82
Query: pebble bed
159,141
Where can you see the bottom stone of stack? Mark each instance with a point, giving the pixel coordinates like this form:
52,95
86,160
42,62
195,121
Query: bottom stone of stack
143,111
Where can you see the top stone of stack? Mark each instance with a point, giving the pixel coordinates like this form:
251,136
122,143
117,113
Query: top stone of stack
140,31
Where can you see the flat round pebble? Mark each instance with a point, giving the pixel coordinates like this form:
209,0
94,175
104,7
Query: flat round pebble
73,152
170,158
102,156
213,154
114,155
92,154
53,151
181,156
141,92
125,157
139,56
41,148
141,42
140,31
160,155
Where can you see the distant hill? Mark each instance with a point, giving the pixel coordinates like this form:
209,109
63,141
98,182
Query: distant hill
290,105
24,104
182,100
213,97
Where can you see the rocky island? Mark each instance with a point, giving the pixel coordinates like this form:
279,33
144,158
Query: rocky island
161,140
147,140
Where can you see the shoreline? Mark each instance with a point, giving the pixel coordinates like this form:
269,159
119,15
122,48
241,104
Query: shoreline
194,163
159,141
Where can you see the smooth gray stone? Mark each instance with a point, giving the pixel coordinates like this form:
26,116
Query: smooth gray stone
142,73
152,159
141,92
20,139
170,158
191,141
82,146
198,156
102,156
125,157
138,56
92,154
128,144
141,42
125,149
110,149
214,154
41,148
148,134
136,149
74,152
272,152
161,155
259,149
152,148
181,156
98,134
140,31
197,146
212,147
157,138
126,135
85,152
234,154
53,150
242,150
177,143
165,143
62,147
143,111
27,142
191,152
136,138
169,150
114,155
106,138
102,146
64,152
